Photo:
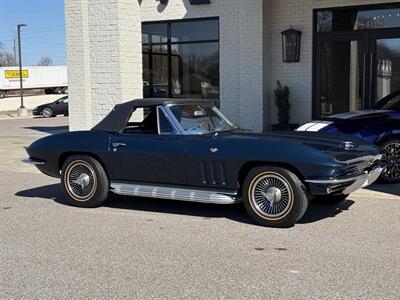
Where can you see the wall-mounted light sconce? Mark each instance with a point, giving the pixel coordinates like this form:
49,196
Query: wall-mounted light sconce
291,39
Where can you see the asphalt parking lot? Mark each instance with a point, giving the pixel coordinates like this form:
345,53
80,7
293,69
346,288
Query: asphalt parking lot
146,248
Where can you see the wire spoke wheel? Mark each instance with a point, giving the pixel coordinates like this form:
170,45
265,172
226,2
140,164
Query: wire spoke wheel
271,195
392,157
81,180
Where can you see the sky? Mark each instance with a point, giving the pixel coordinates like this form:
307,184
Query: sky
45,33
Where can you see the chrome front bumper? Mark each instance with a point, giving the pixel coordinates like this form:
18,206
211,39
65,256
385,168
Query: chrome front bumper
352,184
33,161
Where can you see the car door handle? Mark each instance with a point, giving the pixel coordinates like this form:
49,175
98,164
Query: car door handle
213,149
116,145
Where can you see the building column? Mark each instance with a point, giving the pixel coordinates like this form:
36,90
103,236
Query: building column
251,64
78,64
104,55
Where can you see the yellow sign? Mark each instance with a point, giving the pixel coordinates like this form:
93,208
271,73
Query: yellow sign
15,74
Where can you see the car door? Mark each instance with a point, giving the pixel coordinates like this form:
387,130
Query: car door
65,106
61,106
149,158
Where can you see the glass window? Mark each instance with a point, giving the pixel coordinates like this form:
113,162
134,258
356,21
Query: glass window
200,119
165,126
189,31
146,75
324,21
159,71
388,66
379,18
142,121
195,70
342,66
154,33
181,59
355,19
393,104
390,102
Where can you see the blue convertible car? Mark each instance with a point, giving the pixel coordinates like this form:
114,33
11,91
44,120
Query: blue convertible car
188,150
379,126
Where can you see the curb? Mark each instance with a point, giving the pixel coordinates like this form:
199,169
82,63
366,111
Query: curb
9,115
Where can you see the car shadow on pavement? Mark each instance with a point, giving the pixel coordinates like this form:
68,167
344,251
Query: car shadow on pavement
52,191
315,212
49,129
318,210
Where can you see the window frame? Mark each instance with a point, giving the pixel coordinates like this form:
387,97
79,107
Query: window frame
169,44
161,110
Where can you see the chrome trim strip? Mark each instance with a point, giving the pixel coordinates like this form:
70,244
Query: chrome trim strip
32,161
158,119
363,182
337,181
172,193
371,158
358,181
373,175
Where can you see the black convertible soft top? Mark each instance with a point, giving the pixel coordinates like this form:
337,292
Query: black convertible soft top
119,116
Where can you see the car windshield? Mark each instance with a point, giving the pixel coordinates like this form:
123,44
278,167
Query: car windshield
200,118
62,100
389,102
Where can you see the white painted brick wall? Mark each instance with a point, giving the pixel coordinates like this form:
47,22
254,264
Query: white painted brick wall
78,57
104,57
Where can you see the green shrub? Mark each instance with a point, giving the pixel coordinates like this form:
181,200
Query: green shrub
282,103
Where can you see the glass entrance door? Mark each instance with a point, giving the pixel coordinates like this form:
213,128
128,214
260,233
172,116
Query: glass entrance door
341,75
356,57
386,66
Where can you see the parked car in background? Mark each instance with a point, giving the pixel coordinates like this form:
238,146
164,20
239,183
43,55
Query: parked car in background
50,79
188,150
380,126
48,110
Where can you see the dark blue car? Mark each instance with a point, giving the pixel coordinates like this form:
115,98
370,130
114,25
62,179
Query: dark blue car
379,126
186,149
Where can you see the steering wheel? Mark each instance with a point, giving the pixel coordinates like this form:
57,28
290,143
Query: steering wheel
205,123
200,126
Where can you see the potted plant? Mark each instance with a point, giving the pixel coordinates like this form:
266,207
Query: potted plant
283,106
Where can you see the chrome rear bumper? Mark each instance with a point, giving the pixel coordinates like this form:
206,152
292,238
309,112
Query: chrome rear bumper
33,161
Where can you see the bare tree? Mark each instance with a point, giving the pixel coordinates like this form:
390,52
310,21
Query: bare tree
45,61
6,58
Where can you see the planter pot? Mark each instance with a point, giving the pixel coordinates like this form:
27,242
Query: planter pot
283,127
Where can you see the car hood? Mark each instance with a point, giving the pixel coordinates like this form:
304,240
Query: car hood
361,114
43,105
341,147
296,137
350,122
